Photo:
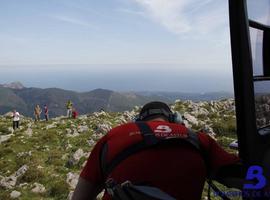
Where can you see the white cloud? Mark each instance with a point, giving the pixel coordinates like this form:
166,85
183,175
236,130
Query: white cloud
167,13
72,21
184,16
129,11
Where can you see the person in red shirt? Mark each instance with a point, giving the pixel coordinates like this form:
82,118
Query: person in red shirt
46,112
74,113
178,169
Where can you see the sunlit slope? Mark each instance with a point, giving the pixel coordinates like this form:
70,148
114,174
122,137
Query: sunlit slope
42,160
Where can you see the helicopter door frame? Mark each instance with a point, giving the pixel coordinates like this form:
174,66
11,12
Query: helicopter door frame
243,79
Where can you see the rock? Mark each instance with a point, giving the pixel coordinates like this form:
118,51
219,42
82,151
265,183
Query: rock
8,182
187,124
76,158
128,116
103,128
29,132
11,130
65,156
191,119
53,125
46,148
21,171
29,125
209,130
72,179
97,136
78,155
38,188
82,117
202,111
24,154
266,108
82,129
59,118
68,146
70,195
68,131
73,134
91,142
4,138
121,120
99,114
15,194
23,185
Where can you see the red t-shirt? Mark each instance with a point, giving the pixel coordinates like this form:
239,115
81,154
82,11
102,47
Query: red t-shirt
178,170
74,114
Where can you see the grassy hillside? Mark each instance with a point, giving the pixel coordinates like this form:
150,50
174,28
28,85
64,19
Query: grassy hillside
48,156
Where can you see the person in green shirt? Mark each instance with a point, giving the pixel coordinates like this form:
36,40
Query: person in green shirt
69,105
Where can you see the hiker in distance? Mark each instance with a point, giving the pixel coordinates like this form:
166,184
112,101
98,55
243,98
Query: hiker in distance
16,119
37,112
46,112
74,113
69,106
159,153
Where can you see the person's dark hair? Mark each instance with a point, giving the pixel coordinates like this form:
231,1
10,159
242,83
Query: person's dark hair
154,110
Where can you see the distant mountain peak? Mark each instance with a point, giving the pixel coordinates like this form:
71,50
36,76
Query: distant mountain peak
13,85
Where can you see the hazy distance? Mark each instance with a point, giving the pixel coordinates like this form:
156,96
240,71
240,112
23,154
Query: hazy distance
123,78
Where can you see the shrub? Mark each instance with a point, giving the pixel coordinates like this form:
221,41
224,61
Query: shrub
224,127
58,190
32,175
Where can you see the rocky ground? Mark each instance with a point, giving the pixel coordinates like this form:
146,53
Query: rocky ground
262,106
42,160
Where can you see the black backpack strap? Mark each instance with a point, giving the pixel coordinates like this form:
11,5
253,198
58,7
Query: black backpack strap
147,133
193,139
149,140
102,160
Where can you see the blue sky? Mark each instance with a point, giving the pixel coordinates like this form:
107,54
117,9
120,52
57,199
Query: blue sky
172,40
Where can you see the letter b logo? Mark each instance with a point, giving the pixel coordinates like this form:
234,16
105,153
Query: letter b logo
255,172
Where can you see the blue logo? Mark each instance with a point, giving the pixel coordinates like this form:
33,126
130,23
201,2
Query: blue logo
255,172
251,189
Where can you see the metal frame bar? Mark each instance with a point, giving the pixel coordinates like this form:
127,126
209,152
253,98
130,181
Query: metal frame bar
243,80
258,25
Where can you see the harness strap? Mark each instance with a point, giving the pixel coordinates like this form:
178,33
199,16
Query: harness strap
107,168
147,133
149,141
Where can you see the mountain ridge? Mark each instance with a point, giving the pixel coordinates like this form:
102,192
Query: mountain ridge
24,99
